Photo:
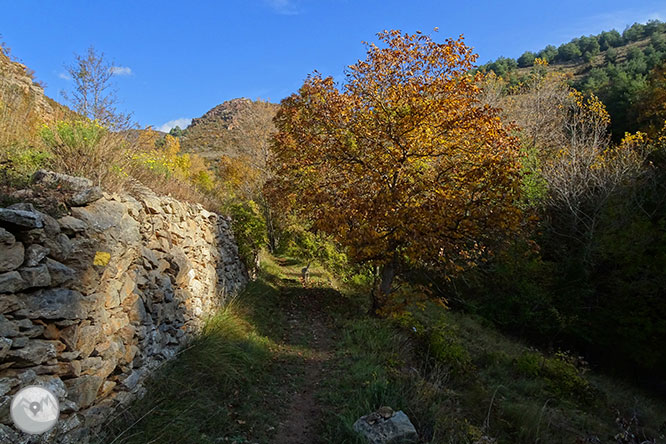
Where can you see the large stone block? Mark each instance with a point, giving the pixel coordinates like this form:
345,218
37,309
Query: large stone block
36,351
54,303
6,237
11,256
8,329
34,255
88,337
83,390
11,282
72,225
36,276
21,218
60,273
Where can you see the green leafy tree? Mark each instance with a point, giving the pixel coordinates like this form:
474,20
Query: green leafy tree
249,228
527,59
549,53
634,32
610,39
568,52
176,131
611,55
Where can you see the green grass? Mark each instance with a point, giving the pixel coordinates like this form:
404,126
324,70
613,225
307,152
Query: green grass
220,389
456,378
459,381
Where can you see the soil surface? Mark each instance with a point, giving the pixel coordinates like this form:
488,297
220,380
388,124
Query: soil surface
311,335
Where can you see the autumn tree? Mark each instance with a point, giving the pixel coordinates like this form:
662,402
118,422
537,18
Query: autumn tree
93,95
403,164
571,168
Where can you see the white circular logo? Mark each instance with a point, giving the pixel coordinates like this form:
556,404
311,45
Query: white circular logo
34,410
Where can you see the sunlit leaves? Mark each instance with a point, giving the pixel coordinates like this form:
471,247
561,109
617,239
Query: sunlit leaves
402,159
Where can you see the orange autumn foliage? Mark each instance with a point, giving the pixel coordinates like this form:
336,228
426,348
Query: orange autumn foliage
403,162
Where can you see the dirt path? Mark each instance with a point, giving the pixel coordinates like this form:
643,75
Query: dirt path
311,337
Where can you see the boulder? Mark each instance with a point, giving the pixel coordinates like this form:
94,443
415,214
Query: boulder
34,255
53,179
133,379
8,329
35,352
386,427
61,247
11,256
7,434
11,282
87,339
6,384
21,218
5,345
53,384
112,217
51,227
71,225
152,204
86,196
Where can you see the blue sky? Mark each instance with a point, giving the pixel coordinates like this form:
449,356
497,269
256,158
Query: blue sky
176,60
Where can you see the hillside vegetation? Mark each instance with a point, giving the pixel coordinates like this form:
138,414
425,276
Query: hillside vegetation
37,132
625,70
483,249
291,364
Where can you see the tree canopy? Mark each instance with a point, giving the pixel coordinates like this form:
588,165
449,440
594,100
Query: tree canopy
403,163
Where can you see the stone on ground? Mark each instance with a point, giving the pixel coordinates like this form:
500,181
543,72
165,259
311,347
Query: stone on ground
387,427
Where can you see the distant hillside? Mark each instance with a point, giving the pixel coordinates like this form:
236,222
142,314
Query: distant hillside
238,128
620,68
23,105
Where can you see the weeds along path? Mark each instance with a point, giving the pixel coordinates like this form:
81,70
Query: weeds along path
254,375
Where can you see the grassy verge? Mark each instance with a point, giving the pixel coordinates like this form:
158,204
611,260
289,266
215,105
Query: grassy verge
458,380
221,389
462,382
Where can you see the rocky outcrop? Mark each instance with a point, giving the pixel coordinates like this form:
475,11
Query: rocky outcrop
17,85
92,302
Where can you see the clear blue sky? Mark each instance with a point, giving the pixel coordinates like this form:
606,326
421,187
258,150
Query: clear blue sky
183,58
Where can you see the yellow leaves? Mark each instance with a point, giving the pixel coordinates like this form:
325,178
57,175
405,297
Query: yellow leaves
403,157
635,139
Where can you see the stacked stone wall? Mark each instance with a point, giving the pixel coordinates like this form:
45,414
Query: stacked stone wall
93,301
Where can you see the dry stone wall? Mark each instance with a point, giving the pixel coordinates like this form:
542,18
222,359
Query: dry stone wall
93,301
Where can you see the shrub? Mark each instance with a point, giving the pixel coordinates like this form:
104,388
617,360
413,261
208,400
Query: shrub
447,349
19,164
85,148
249,228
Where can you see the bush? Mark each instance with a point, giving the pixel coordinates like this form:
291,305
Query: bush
446,348
249,228
20,163
562,373
85,148
298,242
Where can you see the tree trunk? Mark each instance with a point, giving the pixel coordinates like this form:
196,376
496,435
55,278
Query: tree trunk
270,229
381,294
256,264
